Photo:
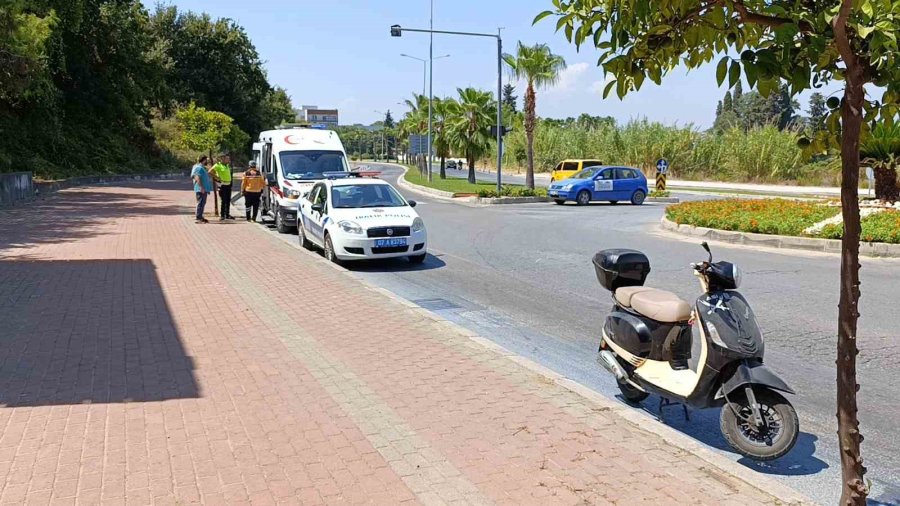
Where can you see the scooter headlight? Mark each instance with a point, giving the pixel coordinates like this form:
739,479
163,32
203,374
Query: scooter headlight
737,275
350,227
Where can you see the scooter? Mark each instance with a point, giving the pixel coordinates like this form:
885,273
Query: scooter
647,345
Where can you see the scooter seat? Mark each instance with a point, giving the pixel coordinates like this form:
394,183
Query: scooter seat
624,294
659,305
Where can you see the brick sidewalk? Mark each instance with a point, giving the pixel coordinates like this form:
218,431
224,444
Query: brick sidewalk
148,360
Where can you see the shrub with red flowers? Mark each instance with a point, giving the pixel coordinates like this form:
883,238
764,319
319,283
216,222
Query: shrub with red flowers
761,216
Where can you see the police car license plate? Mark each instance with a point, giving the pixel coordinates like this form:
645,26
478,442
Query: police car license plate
390,243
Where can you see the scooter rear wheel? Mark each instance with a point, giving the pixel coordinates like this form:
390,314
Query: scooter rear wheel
632,394
778,433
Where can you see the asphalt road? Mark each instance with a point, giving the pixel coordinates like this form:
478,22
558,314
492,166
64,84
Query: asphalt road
521,275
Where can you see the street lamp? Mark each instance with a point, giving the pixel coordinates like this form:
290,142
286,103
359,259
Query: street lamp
424,67
397,31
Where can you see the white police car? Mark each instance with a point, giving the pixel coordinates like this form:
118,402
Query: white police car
352,217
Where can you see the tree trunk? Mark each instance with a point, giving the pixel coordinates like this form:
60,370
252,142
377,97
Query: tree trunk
471,161
854,489
529,134
886,182
443,169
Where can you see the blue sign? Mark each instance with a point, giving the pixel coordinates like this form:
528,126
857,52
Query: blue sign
662,166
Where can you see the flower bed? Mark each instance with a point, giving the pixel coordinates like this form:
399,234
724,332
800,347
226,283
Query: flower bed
761,216
879,227
512,191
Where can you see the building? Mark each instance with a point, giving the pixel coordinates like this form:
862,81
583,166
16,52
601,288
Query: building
317,116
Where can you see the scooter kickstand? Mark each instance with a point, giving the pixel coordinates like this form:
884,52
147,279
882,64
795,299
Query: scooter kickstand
663,402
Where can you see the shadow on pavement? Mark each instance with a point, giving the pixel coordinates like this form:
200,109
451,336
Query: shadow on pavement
395,265
704,427
88,331
78,213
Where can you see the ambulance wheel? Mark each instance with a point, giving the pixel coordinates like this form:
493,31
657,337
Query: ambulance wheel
280,225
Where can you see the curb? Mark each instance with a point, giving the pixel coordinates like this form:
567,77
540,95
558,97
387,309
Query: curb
451,197
767,484
663,200
866,249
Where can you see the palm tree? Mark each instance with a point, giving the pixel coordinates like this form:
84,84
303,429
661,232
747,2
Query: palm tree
880,149
468,124
539,68
442,108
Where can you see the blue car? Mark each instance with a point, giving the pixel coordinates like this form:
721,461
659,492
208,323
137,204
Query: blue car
601,183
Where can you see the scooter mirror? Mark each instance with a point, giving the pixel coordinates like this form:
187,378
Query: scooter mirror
706,247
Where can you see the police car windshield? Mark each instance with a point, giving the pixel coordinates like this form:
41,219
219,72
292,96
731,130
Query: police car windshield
311,164
586,173
348,196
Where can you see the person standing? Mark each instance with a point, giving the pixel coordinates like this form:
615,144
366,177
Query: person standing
202,187
251,187
222,170
208,165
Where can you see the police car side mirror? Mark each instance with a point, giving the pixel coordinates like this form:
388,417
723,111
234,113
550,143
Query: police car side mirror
412,203
319,207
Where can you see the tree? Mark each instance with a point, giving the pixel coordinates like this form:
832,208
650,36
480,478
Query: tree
23,38
215,64
209,131
539,68
727,102
509,99
738,91
880,149
442,109
277,109
469,124
817,113
388,120
807,44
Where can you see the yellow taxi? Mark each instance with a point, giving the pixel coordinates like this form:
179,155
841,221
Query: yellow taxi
567,168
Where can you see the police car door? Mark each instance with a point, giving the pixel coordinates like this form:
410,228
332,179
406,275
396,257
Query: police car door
318,216
305,212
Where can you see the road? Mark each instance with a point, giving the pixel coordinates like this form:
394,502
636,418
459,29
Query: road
521,276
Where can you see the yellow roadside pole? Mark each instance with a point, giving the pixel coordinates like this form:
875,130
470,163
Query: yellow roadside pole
662,167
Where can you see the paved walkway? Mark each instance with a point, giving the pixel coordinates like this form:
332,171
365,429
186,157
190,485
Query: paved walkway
146,359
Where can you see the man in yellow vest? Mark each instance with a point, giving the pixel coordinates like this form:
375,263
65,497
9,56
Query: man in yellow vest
222,170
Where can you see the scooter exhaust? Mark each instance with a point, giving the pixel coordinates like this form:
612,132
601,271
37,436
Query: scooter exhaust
609,362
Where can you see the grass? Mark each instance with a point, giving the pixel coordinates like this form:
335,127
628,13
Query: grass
451,184
762,216
879,227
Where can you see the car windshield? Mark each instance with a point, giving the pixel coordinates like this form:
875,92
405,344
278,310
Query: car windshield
586,173
348,196
311,164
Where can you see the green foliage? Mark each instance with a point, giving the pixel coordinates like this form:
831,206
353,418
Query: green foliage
660,194
453,185
763,216
208,131
512,191
85,85
509,97
23,38
878,227
817,113
759,155
881,144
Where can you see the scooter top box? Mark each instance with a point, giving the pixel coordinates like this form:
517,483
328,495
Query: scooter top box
618,267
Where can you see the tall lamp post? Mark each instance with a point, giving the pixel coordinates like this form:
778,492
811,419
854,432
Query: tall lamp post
397,31
382,131
424,68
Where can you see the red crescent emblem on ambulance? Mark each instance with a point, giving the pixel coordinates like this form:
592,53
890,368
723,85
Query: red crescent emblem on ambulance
288,139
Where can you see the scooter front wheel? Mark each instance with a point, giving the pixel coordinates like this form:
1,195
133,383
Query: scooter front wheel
773,439
631,393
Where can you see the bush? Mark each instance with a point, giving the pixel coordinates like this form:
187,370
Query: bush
512,191
878,227
660,194
762,216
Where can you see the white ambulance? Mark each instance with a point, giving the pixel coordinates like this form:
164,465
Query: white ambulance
292,160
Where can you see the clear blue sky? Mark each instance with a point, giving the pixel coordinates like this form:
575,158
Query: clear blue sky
339,53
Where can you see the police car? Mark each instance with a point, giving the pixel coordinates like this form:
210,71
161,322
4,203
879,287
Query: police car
356,216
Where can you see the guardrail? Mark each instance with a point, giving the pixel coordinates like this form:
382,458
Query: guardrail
16,187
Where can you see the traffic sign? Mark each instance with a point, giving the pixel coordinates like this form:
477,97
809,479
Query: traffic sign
662,166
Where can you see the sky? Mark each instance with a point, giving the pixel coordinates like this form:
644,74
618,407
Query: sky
339,54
